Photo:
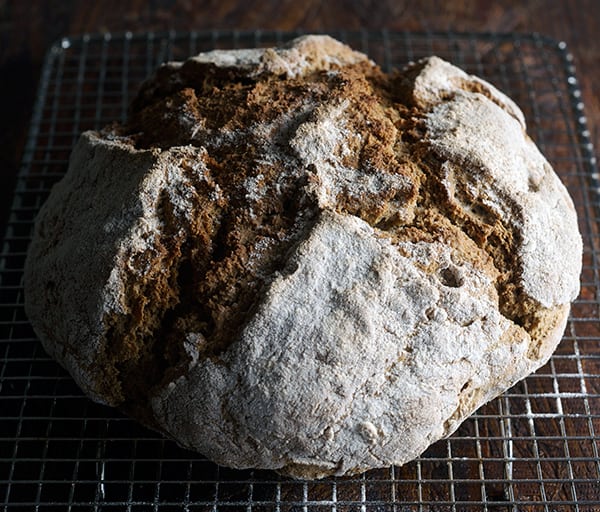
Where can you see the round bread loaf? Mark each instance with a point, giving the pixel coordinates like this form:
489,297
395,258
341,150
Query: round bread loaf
288,259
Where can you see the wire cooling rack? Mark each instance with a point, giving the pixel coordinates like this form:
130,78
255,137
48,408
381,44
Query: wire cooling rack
534,448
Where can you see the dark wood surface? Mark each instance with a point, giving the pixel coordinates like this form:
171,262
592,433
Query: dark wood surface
27,28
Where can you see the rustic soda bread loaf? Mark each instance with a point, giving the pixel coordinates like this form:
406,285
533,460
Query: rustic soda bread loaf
288,259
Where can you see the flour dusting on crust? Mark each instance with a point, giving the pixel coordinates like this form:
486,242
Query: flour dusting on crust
288,259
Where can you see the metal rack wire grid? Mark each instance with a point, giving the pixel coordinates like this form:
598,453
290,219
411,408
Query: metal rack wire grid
534,448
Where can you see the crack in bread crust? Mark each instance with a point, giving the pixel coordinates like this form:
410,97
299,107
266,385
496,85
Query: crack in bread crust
263,202
245,125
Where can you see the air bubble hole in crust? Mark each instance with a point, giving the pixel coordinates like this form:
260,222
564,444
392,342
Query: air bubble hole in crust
450,277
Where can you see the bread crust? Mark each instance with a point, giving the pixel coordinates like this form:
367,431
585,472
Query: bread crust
287,259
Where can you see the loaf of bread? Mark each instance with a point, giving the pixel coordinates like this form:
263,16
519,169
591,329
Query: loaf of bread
288,259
